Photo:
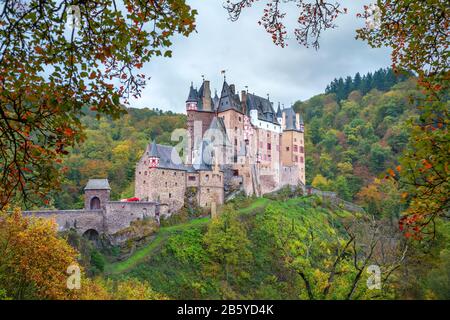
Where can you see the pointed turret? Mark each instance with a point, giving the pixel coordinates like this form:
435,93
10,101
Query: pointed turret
279,114
153,155
228,99
192,100
302,124
215,100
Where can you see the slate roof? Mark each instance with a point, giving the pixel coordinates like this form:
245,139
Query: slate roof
279,114
193,94
97,184
263,106
215,101
218,124
290,119
202,165
197,96
164,153
228,99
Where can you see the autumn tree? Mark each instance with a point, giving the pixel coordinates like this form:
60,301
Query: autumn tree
229,248
33,259
59,58
333,265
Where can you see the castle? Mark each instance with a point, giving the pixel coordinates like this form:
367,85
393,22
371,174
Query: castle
233,143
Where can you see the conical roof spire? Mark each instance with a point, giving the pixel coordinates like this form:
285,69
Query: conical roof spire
154,150
193,95
279,115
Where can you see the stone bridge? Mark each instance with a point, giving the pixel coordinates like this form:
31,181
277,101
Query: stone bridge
80,220
101,215
113,217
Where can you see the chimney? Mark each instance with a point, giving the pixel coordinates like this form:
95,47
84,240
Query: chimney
283,121
297,121
232,88
206,95
244,101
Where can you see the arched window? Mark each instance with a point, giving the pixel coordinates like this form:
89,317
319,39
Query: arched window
95,203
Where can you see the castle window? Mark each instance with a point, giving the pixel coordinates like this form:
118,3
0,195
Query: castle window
145,172
163,172
301,159
207,177
145,162
139,172
235,142
191,178
302,149
269,146
287,148
295,148
239,119
235,173
295,139
166,184
176,184
295,158
170,195
268,135
207,190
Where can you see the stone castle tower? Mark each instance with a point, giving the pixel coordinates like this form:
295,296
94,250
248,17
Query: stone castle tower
235,142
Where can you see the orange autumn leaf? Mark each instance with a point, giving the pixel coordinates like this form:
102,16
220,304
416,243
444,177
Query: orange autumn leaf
391,173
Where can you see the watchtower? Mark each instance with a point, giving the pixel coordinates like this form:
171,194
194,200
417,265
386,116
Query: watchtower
96,194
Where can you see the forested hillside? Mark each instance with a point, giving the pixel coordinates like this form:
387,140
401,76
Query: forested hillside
287,248
349,142
111,149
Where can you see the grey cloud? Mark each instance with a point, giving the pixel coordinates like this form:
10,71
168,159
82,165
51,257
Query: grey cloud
246,51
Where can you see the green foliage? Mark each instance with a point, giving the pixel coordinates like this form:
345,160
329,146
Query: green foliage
382,79
261,255
187,247
352,141
111,150
97,261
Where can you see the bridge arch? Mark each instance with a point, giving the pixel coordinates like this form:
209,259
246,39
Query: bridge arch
91,234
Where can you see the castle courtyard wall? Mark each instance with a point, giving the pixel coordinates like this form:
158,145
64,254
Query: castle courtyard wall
119,215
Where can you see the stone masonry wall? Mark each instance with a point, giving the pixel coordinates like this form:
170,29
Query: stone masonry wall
289,175
103,195
211,188
119,215
80,220
165,186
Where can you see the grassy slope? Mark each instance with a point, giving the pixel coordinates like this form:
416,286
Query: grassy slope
145,252
181,273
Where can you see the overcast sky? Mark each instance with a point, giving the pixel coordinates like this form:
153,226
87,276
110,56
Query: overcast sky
246,52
